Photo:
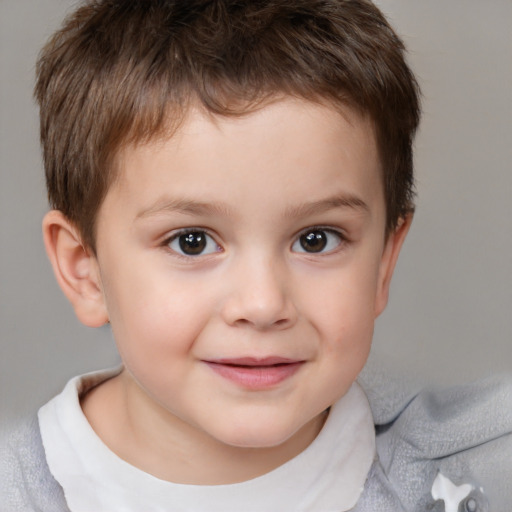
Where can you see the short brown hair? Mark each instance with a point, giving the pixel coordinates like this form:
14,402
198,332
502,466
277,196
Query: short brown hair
121,71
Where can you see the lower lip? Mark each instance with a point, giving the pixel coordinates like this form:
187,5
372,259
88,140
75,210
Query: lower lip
256,377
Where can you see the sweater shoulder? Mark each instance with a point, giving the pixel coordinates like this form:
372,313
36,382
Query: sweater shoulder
459,437
26,483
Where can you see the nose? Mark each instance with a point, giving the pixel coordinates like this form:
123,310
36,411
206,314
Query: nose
260,297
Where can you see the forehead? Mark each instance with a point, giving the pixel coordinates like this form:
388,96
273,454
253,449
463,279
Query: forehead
286,146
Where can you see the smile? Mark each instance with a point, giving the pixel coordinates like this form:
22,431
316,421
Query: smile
254,373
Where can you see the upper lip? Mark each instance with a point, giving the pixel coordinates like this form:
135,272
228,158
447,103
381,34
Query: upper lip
255,361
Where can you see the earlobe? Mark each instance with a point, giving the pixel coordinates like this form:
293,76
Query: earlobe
75,268
388,261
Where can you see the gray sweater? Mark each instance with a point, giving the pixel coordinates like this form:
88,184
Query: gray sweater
463,433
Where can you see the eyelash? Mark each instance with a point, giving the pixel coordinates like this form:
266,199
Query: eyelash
190,231
175,237
340,235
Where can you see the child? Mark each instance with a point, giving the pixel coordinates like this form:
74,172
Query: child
231,185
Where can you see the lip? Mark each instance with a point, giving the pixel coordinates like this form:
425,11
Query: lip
256,373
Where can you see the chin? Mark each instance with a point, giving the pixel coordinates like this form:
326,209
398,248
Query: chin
257,435
258,441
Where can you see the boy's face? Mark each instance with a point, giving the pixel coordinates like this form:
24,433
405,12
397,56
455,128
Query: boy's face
242,263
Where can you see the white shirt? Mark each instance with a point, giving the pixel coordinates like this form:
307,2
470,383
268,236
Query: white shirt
329,475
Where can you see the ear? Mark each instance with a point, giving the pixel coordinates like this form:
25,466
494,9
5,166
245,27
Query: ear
389,258
76,269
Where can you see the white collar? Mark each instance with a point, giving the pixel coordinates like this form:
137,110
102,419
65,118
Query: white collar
329,475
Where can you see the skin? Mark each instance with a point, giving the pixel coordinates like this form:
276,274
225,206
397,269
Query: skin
253,186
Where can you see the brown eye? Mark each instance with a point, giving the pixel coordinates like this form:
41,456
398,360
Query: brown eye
318,240
193,243
314,241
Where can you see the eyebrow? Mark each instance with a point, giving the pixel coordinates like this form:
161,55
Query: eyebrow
192,207
185,206
330,203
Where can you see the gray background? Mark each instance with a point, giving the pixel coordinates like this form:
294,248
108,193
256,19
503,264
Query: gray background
450,315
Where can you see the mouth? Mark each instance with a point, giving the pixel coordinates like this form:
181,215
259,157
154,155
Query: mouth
256,373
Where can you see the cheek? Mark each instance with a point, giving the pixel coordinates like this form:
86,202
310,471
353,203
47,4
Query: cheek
344,300
154,316
343,315
156,334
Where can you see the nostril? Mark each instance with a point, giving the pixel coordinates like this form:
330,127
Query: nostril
243,321
263,305
263,323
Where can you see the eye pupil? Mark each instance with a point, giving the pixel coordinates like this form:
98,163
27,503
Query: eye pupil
193,243
314,241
